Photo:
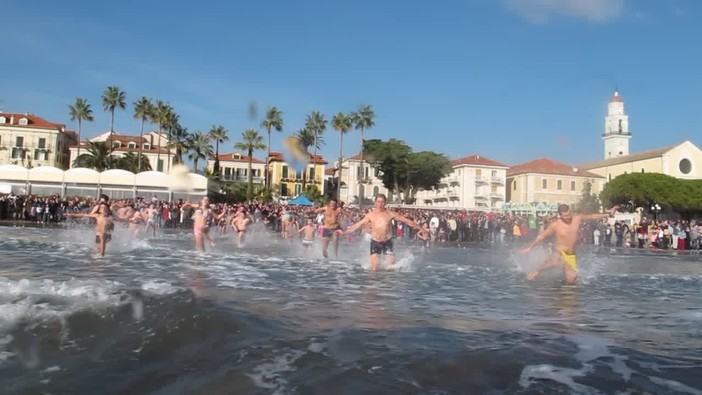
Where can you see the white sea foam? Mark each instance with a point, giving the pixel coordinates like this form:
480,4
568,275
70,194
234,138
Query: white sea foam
269,374
159,287
675,386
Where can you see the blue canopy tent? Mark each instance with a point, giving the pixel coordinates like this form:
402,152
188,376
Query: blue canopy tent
300,201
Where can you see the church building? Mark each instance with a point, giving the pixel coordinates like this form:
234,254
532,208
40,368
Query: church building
683,160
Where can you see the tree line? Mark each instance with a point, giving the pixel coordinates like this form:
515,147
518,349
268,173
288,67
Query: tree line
198,145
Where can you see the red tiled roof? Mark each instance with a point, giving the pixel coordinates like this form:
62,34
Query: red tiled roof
330,171
237,157
549,166
33,121
279,157
477,160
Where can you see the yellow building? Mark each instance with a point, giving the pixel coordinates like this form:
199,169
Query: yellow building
30,141
288,181
235,167
681,161
551,182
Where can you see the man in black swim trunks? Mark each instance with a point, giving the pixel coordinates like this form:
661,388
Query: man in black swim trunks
331,225
380,220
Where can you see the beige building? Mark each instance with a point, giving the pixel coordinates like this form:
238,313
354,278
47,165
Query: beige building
288,182
234,167
551,182
30,141
152,147
352,191
683,160
475,183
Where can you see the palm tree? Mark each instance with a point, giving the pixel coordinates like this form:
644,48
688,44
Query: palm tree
273,120
160,116
180,141
219,135
172,123
315,123
250,141
142,110
80,111
200,148
113,98
363,119
97,157
342,124
134,162
306,139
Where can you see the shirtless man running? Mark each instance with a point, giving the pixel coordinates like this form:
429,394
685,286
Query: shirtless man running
150,214
565,229
239,223
103,225
380,221
331,225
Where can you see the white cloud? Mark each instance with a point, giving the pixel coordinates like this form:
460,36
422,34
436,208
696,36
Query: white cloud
541,11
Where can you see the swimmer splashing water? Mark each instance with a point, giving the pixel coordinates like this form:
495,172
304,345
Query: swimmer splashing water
565,230
203,218
380,221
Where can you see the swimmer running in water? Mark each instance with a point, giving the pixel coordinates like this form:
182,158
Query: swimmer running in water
308,232
331,225
239,224
380,220
103,225
203,218
565,230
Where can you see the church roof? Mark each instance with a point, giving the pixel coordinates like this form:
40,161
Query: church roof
549,166
650,154
476,160
616,97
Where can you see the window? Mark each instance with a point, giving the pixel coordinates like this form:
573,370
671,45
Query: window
365,171
298,189
285,172
42,143
685,166
131,145
559,184
544,183
116,144
227,172
3,120
572,185
478,172
40,154
146,146
514,185
609,177
19,141
159,166
23,121
312,173
17,153
642,170
493,189
494,174
376,191
284,189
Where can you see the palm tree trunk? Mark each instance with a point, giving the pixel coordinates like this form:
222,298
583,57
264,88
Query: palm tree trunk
268,158
195,165
249,189
360,176
338,174
168,153
314,158
112,130
141,143
78,152
158,154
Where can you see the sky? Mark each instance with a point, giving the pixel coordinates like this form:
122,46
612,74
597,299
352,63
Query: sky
513,80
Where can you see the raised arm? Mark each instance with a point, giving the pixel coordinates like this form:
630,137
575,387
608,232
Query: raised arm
356,226
593,217
407,221
541,237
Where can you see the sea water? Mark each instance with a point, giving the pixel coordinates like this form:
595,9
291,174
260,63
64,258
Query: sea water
155,316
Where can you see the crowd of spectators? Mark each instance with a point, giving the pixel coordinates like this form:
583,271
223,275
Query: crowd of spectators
447,227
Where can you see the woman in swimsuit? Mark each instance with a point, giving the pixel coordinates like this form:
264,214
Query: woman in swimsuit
203,218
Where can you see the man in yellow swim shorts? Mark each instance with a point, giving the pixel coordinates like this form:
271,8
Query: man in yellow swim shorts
565,230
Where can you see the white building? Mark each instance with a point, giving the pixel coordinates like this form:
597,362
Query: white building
30,141
351,190
616,134
151,145
235,167
475,183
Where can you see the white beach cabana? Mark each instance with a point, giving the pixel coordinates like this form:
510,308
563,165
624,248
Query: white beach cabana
118,184
81,181
13,178
153,183
45,180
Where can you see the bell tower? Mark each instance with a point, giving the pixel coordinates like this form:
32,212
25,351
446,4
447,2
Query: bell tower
616,134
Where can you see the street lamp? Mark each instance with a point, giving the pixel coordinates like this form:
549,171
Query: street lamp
655,209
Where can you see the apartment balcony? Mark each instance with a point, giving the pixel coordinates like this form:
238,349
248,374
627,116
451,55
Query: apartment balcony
480,180
480,197
496,196
497,181
240,178
452,194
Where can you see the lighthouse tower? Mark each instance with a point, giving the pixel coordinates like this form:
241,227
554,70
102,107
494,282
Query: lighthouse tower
616,135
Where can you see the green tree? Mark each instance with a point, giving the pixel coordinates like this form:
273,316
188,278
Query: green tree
391,160
250,141
363,119
426,169
143,108
589,203
161,116
341,123
97,156
219,134
131,161
112,99
273,121
306,139
80,111
200,148
180,142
